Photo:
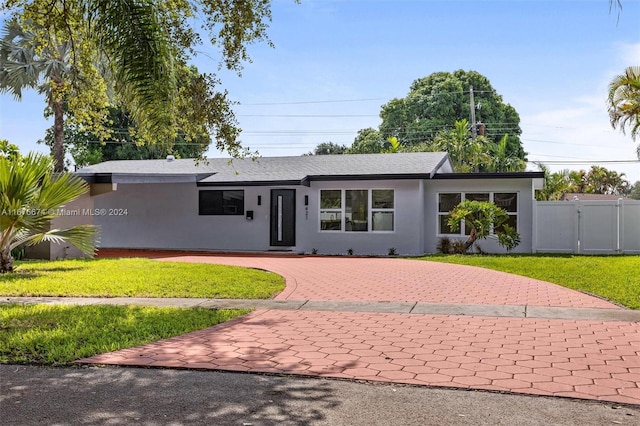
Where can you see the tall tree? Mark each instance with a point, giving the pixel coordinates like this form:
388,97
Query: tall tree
86,148
24,63
31,195
136,50
434,103
624,102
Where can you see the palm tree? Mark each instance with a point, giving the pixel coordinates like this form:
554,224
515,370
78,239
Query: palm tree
624,102
556,185
145,44
30,194
502,161
467,154
25,64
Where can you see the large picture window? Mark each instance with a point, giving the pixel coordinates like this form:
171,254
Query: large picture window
357,210
221,202
448,201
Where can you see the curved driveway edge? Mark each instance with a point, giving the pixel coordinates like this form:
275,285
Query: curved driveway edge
585,358
391,280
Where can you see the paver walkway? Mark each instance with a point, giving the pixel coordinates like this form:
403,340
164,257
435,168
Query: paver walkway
393,280
576,358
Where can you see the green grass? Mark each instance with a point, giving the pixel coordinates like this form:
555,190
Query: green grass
138,278
616,278
57,335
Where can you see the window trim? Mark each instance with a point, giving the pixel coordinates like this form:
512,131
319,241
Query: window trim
462,232
370,210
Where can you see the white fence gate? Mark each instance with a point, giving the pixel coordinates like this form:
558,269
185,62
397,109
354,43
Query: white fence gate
587,227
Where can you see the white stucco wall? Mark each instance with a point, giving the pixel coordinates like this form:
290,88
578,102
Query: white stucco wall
165,216
525,209
405,238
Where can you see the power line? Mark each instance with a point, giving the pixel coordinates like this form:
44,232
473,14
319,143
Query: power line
308,115
312,102
328,101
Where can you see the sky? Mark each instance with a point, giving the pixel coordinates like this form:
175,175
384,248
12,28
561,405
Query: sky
336,62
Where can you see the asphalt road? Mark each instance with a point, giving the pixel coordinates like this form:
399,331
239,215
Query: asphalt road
119,396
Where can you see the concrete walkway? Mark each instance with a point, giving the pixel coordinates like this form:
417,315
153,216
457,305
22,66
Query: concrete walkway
414,322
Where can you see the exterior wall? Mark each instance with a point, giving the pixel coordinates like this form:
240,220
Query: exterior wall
523,187
165,216
405,238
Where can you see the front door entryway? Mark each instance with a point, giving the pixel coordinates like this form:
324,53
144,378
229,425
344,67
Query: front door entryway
283,217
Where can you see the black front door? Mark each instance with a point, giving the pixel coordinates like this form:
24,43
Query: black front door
283,217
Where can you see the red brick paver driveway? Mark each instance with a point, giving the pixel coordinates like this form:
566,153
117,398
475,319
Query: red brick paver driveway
575,358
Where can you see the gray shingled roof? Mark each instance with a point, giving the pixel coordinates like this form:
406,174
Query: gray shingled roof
274,169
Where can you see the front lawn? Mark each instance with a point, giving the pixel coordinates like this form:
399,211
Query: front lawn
138,278
616,278
57,335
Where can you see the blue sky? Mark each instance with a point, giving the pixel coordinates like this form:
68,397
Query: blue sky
336,62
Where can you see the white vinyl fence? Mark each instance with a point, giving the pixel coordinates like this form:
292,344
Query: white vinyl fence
587,227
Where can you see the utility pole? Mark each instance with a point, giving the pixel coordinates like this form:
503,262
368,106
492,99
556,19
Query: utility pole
474,131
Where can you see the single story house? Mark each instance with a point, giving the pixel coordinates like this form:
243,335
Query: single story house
330,204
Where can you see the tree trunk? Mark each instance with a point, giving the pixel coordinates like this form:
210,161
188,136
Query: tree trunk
6,261
472,239
58,136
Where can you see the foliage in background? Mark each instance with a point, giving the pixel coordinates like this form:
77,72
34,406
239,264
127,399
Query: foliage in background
138,278
86,148
612,277
133,54
9,150
58,335
482,219
434,103
598,180
328,148
624,102
28,62
30,196
634,191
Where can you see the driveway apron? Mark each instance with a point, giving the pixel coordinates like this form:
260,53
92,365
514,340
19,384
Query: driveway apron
573,358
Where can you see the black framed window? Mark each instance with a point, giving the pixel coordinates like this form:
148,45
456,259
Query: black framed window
221,202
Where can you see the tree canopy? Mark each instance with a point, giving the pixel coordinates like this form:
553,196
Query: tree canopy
86,148
435,102
132,54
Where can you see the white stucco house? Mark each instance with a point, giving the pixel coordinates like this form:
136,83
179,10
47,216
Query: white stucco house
326,204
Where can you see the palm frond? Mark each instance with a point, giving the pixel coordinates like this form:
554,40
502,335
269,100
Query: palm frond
83,237
141,56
